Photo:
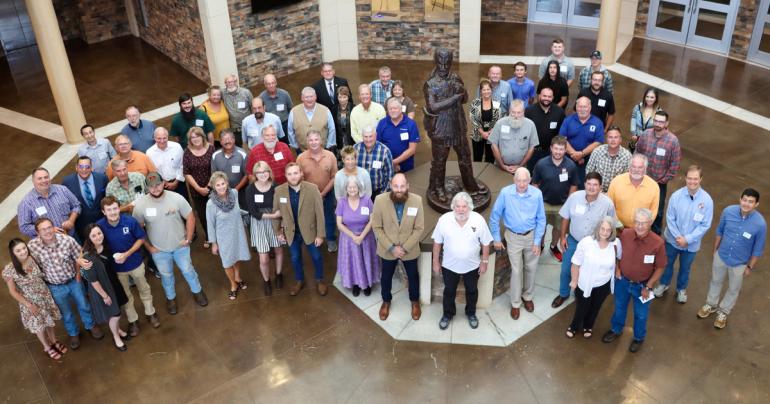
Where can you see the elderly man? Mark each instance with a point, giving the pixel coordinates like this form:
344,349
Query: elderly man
311,116
502,96
596,66
375,158
367,113
513,139
140,131
326,87
633,190
231,160
99,150
237,100
519,215
398,220
739,242
53,201
400,135
188,117
319,167
276,154
301,222
547,118
126,186
610,159
602,101
136,161
584,133
57,255
277,101
89,188
382,88
580,215
463,234
167,158
253,124
566,67
640,266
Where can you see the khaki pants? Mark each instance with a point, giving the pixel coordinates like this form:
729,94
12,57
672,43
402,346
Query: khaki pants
144,293
734,275
523,266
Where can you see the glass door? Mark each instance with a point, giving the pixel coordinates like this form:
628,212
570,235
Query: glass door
581,13
759,49
547,11
584,13
706,24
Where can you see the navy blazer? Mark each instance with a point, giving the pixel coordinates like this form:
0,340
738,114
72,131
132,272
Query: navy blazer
322,93
94,213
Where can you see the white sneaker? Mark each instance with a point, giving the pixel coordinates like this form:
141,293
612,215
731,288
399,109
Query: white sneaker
681,296
706,311
721,320
660,290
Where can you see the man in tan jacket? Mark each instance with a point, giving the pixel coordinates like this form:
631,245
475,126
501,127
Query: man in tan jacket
301,222
398,221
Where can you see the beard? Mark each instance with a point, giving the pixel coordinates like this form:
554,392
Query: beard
545,103
259,115
399,197
188,116
270,145
516,123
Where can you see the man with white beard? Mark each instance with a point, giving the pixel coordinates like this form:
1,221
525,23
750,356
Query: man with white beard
463,232
513,139
276,155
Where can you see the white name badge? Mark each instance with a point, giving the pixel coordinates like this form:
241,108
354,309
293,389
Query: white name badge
580,209
505,129
241,104
552,125
602,102
102,156
404,135
253,133
41,210
563,68
660,151
283,200
376,165
278,156
151,212
365,211
592,128
496,104
403,108
126,230
563,177
503,95
698,217
747,235
259,198
649,259
280,107
199,122
411,211
235,169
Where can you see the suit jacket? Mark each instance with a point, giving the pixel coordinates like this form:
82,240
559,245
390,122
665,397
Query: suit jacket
94,213
389,232
310,211
322,93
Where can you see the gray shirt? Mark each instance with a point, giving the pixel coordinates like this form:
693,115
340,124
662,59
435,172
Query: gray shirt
280,104
100,154
566,67
234,165
514,143
238,105
142,137
163,219
584,216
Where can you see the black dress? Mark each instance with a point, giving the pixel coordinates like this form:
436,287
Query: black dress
102,271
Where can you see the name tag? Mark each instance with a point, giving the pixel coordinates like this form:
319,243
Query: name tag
280,107
698,217
580,209
241,104
259,198
660,151
563,177
404,135
552,125
747,235
365,211
278,156
403,109
503,95
376,164
563,68
252,133
126,230
199,122
592,128
235,169
102,156
649,259
496,104
283,200
602,102
411,211
41,210
151,212
505,129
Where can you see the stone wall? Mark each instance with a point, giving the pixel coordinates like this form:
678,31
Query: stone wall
101,20
69,19
504,10
410,38
642,9
281,41
744,28
174,28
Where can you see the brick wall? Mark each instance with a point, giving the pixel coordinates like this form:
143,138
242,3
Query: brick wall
281,41
410,38
744,27
101,20
69,19
504,10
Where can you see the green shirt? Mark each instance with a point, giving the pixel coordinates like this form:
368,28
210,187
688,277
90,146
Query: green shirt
126,196
179,126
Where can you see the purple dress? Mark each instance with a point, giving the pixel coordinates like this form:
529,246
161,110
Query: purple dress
357,264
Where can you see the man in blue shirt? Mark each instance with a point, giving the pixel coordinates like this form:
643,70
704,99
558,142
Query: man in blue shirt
519,216
688,218
584,133
522,87
125,237
739,242
140,131
400,135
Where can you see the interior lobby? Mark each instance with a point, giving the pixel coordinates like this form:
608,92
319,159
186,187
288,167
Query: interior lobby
68,62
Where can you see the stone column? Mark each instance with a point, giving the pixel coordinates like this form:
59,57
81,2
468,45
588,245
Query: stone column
57,67
339,35
218,37
470,31
609,21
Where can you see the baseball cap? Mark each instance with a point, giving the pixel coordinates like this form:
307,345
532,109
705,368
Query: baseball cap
153,179
596,54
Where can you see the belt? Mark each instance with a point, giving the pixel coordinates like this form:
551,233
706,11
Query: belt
644,282
520,234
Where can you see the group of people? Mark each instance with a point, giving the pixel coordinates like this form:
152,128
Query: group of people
260,173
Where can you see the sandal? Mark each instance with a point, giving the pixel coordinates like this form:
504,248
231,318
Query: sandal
206,245
52,353
242,285
60,347
570,333
587,333
232,295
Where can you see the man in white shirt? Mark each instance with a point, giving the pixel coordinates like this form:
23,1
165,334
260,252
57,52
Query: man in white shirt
252,125
167,157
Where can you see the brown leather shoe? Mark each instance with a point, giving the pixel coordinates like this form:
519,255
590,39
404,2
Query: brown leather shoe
294,290
558,301
384,311
515,313
322,288
96,332
416,311
529,305
133,329
75,342
154,321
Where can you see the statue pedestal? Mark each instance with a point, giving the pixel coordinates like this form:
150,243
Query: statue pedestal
454,185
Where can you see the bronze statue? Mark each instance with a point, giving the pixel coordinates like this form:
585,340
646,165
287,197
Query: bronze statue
446,126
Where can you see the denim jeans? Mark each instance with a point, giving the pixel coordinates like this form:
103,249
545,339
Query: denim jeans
165,261
566,267
625,290
685,262
413,278
330,217
61,295
295,248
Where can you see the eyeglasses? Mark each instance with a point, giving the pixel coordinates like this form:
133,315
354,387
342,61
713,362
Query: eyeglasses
84,166
260,172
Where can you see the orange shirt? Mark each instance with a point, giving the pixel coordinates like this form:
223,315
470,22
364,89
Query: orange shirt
319,172
137,163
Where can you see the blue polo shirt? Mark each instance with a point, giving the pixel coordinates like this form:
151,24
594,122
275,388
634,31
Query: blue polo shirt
580,135
121,237
142,137
555,181
742,238
523,91
397,138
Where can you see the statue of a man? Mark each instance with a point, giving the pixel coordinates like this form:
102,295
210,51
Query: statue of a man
446,126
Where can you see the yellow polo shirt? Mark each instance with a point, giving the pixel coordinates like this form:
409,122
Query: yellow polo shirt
628,198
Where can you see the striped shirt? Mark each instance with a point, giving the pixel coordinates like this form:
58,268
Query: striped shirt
58,206
608,166
379,164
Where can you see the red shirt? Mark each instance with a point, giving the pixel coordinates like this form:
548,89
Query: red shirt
277,160
641,256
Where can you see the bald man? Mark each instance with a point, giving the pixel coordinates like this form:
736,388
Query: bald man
136,161
139,130
277,101
584,133
238,104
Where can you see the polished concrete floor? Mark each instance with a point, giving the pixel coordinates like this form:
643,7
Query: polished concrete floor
324,349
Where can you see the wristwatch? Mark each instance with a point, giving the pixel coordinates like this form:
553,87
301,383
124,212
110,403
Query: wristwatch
485,261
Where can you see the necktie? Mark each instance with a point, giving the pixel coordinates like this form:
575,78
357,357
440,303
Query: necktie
331,91
89,195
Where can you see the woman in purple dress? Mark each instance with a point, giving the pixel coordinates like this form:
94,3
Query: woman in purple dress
357,260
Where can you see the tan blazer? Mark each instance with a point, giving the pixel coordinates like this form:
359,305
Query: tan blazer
390,233
311,213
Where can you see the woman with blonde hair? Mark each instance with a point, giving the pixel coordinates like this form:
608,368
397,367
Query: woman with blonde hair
215,109
259,203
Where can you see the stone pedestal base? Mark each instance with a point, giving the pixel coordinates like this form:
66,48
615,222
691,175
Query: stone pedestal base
454,185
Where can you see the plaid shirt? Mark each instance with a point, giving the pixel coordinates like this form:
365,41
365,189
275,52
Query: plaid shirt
380,176
278,166
380,93
58,206
56,260
585,78
608,166
126,196
663,154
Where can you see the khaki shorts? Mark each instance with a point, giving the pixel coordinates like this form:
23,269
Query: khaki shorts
552,215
